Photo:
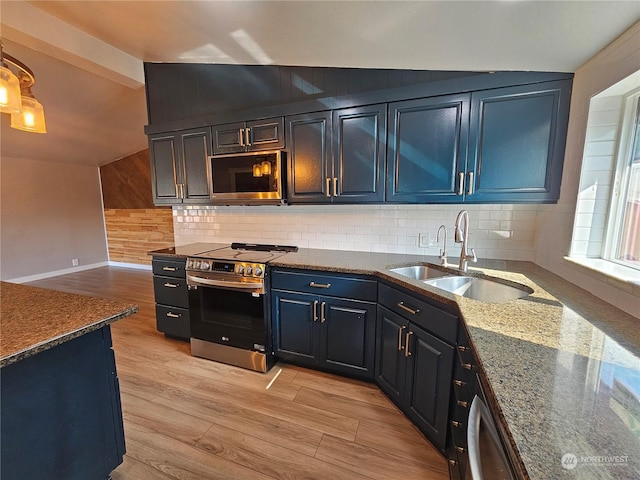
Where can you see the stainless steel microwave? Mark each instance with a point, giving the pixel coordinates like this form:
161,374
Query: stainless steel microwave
251,178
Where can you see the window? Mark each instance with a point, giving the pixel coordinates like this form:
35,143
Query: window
623,227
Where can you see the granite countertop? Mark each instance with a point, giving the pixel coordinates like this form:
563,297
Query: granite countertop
187,250
562,365
34,319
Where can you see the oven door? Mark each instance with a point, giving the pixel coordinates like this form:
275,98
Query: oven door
228,316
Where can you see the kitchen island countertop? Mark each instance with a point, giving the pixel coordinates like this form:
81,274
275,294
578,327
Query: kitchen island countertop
34,319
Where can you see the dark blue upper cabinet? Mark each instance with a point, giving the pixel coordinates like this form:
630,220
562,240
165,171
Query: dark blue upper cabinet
517,139
427,149
359,154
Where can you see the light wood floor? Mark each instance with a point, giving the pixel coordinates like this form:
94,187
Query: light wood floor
188,418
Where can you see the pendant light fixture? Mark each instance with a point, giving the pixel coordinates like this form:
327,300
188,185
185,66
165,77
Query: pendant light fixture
16,97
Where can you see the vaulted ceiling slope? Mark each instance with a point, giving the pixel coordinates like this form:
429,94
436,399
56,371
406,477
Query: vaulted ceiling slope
87,55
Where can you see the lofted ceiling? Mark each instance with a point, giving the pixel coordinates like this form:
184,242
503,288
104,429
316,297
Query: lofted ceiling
87,55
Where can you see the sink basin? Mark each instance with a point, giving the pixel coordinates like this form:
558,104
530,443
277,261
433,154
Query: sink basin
480,289
419,272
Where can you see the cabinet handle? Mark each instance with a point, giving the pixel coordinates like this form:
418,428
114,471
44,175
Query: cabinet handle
462,404
328,192
461,186
452,462
242,137
462,348
335,186
412,311
407,353
467,366
315,310
247,136
460,449
172,285
322,316
400,330
456,424
319,285
470,187
174,315
170,269
459,383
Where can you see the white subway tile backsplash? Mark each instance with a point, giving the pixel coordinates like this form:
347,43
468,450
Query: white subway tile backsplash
496,231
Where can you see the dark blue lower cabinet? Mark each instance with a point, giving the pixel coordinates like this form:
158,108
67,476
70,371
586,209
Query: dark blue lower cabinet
61,414
414,369
334,334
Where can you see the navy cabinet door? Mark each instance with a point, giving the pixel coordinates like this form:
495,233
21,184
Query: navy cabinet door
164,176
228,138
294,323
390,359
347,336
309,148
359,138
195,146
266,134
427,149
517,140
428,383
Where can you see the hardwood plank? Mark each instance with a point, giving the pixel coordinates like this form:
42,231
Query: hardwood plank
378,464
271,459
351,408
132,469
180,460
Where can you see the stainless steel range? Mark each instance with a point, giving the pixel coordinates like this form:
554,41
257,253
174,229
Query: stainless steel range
228,307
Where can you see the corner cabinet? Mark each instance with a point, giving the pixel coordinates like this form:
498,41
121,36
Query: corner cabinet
339,156
324,321
179,166
256,135
413,365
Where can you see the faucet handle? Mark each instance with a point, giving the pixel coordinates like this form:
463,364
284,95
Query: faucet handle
473,258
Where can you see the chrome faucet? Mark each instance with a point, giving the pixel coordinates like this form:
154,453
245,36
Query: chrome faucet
443,252
462,236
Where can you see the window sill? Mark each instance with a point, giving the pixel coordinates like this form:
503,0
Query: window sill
609,269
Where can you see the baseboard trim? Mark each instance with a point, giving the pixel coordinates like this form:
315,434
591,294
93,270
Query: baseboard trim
56,273
129,265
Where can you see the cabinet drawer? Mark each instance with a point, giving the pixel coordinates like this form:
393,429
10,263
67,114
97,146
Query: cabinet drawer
421,313
171,291
169,268
173,321
322,284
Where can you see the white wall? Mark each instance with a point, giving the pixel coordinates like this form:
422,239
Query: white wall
555,222
49,214
496,231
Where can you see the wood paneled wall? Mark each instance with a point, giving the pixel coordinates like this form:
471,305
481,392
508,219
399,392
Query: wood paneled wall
134,225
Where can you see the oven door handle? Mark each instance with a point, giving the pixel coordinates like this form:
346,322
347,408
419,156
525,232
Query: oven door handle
193,280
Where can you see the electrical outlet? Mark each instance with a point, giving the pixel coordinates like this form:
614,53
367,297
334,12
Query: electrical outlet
74,262
425,240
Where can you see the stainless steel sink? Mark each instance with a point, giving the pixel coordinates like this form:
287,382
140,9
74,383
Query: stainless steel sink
480,289
419,272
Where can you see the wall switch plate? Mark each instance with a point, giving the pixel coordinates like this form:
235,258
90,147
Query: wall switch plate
425,240
74,262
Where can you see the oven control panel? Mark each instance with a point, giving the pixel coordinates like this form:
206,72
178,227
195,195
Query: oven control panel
244,269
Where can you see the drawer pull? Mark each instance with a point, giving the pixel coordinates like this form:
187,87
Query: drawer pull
170,269
460,449
459,383
319,285
462,348
407,353
174,315
462,404
452,462
412,311
400,330
456,424
172,285
467,366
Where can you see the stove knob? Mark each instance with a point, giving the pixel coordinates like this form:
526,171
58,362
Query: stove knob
257,271
247,271
205,265
196,264
240,269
